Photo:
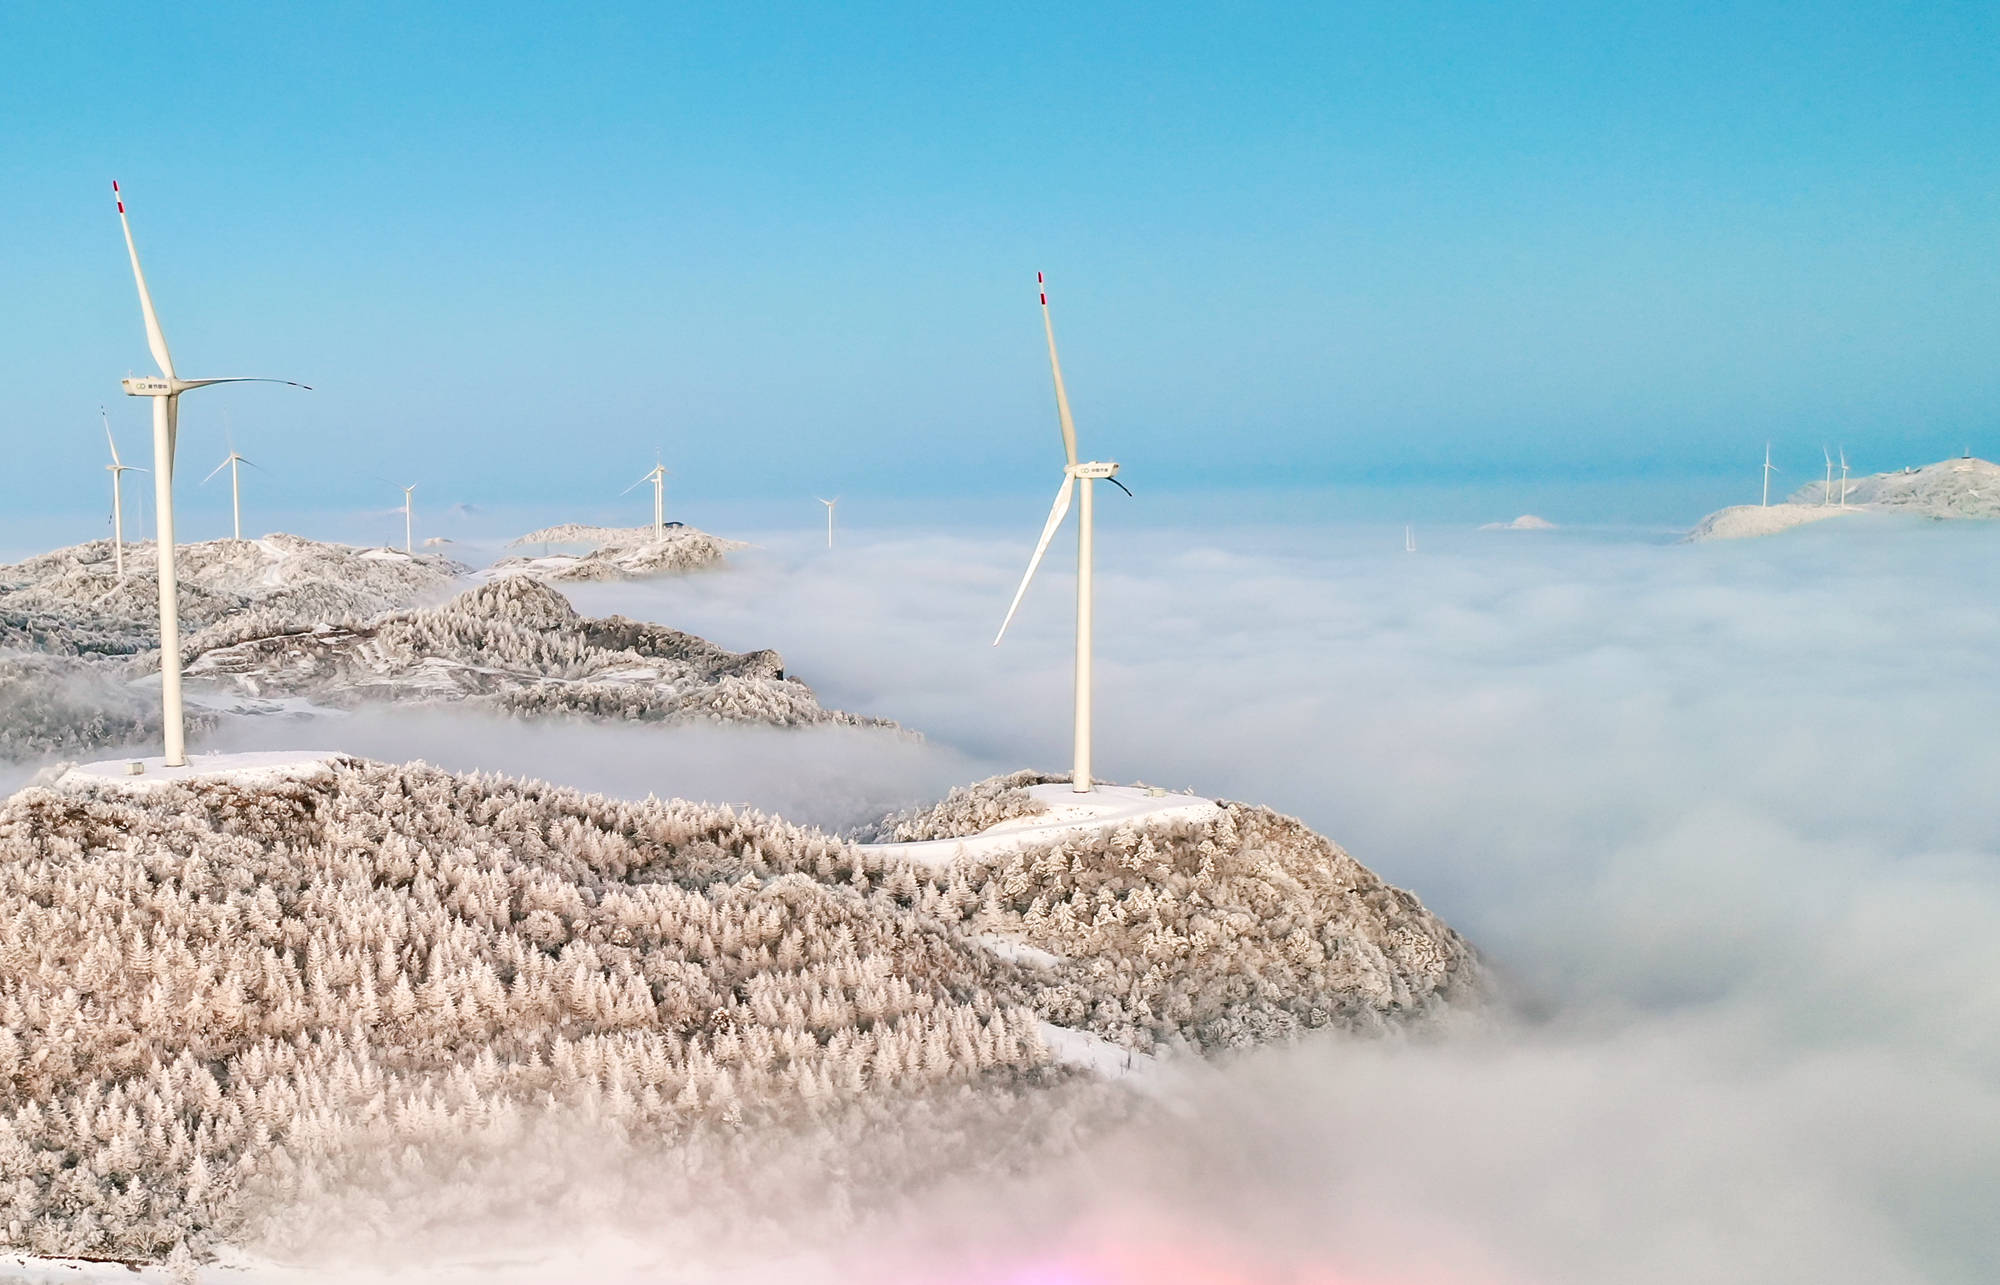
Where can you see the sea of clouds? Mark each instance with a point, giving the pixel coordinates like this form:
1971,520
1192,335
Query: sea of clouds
1723,817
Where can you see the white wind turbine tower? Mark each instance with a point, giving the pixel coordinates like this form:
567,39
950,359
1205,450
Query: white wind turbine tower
1843,477
1073,472
1769,468
230,461
117,468
1409,538
658,477
166,390
1826,496
408,528
829,518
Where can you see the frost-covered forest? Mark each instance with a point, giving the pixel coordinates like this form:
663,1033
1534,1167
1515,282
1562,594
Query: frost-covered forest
250,1015
515,644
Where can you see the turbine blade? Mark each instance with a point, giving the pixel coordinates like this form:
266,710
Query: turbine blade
244,379
217,469
636,485
1055,367
115,461
1056,515
155,338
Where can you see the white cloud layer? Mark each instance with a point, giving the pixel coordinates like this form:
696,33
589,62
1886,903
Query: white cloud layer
1724,814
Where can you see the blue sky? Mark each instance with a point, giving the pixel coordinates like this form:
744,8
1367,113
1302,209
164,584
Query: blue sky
517,248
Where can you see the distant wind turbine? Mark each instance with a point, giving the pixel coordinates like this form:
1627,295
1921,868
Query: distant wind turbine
1826,497
165,390
408,528
829,518
1073,472
1409,538
1769,468
658,477
117,468
230,461
1843,477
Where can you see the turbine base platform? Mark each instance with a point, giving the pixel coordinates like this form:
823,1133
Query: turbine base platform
1103,807
269,767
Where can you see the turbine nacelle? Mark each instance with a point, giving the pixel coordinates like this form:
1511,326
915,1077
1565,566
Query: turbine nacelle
1092,469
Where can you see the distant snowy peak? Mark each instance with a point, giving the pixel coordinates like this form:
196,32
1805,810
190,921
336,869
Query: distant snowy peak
615,553
1744,521
1957,488
1526,522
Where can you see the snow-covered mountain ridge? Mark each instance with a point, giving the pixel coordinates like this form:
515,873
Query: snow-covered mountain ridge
513,643
247,1016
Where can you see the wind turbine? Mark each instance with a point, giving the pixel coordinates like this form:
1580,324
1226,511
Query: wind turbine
658,477
165,390
1073,472
1769,468
1843,477
1409,538
829,519
407,527
230,461
117,468
1826,497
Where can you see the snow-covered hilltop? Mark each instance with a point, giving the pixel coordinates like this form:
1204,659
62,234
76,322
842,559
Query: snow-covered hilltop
255,1017
514,644
71,601
1526,522
616,553
1957,488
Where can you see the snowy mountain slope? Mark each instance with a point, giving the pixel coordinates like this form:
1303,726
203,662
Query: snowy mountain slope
513,643
1220,934
384,998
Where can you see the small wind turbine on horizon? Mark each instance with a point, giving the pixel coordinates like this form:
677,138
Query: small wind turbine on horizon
1843,477
1826,497
117,468
409,544
1073,472
658,477
829,518
165,389
1409,538
1769,468
230,461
